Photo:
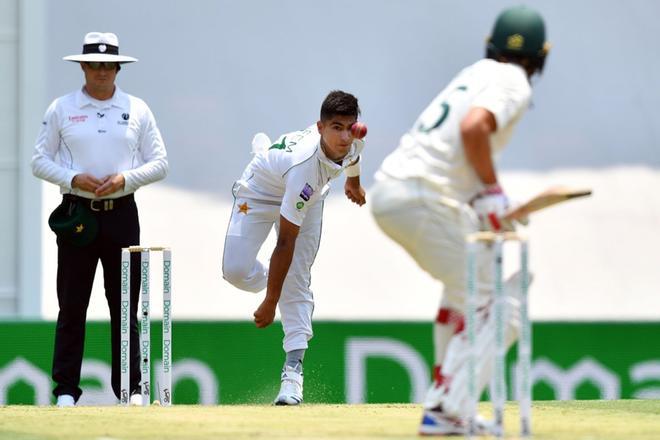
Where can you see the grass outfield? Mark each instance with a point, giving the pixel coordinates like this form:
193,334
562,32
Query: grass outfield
574,420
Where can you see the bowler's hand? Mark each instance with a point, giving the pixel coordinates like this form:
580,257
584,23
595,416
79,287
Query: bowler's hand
110,184
86,182
354,191
265,313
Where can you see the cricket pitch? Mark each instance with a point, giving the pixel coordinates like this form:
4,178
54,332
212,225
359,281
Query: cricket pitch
574,420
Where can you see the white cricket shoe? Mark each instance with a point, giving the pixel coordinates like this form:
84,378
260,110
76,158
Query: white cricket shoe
291,390
439,423
135,400
65,401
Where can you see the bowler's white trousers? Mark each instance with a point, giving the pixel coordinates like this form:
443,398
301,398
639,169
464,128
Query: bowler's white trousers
248,229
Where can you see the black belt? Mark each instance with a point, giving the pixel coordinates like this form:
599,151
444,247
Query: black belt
101,204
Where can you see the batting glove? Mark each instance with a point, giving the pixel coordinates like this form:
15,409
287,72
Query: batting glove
490,205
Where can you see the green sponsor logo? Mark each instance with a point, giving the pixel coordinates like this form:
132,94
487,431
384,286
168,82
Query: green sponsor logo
300,205
354,362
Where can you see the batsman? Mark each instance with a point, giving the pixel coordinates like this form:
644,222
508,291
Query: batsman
285,186
441,184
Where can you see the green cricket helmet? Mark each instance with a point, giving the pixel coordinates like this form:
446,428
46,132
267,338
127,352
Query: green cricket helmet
519,32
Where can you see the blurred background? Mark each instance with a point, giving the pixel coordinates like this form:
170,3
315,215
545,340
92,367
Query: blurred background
216,72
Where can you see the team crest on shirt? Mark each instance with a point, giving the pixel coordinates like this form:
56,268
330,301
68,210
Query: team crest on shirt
125,117
306,192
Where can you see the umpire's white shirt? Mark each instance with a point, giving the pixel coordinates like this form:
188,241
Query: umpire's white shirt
294,172
83,135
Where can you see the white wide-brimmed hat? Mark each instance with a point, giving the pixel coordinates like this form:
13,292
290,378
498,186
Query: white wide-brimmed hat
99,46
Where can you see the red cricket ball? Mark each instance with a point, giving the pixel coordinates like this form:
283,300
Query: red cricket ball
359,130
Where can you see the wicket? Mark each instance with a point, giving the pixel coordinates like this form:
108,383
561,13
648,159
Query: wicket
524,390
164,389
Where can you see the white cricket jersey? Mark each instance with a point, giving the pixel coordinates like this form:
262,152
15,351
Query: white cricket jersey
293,172
433,149
84,135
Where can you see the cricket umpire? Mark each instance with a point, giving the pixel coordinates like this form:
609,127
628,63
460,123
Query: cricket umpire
99,145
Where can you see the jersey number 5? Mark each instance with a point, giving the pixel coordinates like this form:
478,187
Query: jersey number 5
444,112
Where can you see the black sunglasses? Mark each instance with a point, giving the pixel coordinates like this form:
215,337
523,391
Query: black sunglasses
106,65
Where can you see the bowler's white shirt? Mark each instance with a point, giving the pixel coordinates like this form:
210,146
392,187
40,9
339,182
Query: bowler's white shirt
433,149
293,172
84,135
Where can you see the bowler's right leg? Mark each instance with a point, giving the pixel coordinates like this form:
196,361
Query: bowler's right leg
249,225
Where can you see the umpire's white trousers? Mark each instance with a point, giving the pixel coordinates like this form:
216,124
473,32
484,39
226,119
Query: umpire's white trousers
245,236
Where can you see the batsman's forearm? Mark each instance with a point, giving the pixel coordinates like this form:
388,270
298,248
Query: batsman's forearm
478,154
280,261
476,128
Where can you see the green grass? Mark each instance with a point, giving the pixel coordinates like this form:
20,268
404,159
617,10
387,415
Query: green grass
574,420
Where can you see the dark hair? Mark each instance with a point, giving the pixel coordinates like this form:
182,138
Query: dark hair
532,64
339,103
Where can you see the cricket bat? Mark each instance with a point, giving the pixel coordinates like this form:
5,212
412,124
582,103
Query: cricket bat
549,197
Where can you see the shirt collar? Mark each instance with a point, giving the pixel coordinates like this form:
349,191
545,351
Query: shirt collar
119,99
332,163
